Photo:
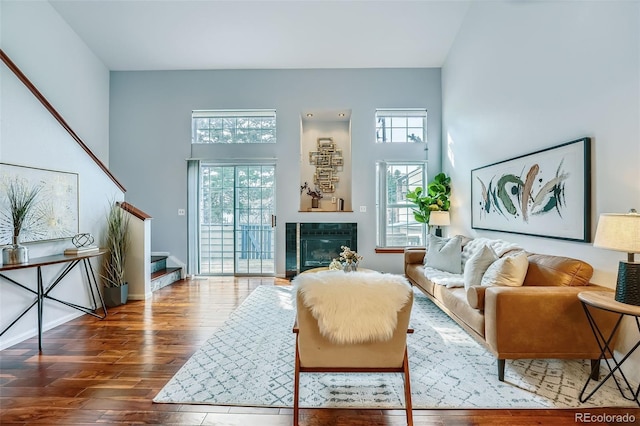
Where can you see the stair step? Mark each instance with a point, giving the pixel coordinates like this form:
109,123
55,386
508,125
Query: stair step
158,263
166,271
165,277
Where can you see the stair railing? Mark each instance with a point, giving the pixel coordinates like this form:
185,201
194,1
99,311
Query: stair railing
23,78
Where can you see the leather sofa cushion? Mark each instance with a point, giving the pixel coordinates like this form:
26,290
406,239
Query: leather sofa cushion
455,299
547,270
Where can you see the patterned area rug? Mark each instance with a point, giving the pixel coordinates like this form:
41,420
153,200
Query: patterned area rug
249,362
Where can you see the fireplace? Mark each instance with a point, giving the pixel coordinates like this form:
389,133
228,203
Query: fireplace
313,245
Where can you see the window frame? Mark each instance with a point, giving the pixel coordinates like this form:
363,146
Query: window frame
400,113
233,114
382,204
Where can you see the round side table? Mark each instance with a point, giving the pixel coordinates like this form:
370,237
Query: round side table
604,300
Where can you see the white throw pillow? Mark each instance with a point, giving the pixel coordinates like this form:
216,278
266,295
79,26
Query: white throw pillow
444,253
509,271
477,265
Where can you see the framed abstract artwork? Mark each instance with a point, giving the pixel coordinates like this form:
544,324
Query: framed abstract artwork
545,193
55,212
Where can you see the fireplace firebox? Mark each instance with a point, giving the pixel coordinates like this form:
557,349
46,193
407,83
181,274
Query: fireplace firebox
313,245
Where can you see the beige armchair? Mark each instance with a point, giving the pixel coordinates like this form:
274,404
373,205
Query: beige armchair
316,353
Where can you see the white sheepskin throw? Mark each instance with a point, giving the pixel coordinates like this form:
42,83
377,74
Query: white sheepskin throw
354,307
444,278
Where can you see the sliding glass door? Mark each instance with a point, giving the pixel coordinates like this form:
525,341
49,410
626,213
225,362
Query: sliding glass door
237,204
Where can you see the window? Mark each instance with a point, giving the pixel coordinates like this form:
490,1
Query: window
401,125
233,126
396,225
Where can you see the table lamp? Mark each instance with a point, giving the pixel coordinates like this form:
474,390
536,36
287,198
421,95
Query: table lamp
621,232
439,218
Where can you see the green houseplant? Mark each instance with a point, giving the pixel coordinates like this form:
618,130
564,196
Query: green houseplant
116,241
436,198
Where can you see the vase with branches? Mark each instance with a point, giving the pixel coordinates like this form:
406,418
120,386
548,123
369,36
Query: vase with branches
19,214
315,194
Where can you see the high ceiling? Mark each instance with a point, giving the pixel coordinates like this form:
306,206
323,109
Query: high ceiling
259,34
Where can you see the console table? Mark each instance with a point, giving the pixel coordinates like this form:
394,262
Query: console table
42,291
605,301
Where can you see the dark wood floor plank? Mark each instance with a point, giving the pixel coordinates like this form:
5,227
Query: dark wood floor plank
107,372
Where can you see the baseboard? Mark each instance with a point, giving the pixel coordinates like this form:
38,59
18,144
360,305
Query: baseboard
137,296
34,333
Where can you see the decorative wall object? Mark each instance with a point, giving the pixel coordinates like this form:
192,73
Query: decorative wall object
56,203
328,161
545,193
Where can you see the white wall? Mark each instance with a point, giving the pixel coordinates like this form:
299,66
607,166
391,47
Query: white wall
61,66
77,85
151,138
524,76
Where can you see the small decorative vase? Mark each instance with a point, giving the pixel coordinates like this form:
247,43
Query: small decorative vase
314,203
347,266
15,253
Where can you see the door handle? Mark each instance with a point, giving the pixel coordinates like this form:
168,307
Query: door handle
273,220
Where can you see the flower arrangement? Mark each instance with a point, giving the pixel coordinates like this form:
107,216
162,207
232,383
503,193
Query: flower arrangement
349,256
348,259
335,265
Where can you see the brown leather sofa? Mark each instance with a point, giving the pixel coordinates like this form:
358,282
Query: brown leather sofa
543,319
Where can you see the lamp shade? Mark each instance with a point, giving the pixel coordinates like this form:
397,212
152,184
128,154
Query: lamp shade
620,232
439,218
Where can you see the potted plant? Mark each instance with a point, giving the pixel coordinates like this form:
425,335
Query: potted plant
435,199
116,241
20,215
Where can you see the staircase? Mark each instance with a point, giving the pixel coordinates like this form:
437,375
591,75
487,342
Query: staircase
161,276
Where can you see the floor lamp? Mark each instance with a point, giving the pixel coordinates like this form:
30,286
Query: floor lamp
621,232
439,218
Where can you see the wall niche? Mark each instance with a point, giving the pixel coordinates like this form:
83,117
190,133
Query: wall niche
325,169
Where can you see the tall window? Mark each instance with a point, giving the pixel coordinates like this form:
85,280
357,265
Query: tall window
396,225
233,126
401,125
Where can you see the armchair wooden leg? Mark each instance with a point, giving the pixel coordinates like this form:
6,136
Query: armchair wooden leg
407,390
501,364
595,369
296,387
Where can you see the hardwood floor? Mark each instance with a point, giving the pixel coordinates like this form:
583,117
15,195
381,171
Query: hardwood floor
94,371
